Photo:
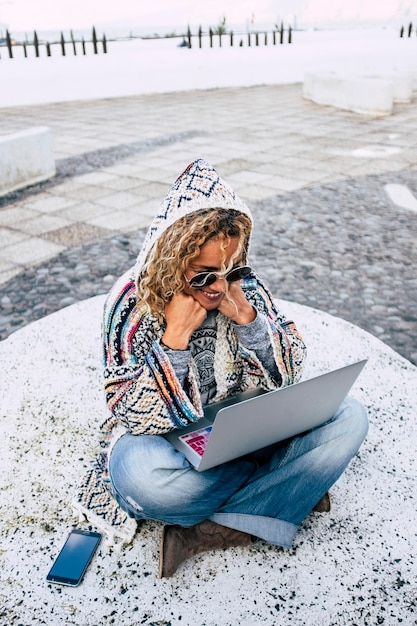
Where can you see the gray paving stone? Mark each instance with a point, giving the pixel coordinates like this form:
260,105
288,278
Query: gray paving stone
337,242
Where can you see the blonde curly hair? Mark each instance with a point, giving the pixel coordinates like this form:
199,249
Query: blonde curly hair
162,275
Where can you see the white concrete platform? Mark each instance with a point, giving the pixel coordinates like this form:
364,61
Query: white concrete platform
357,564
365,95
402,85
26,158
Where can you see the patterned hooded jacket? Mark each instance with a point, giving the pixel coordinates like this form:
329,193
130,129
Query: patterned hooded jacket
143,393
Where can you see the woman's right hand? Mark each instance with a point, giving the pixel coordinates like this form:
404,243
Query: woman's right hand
183,315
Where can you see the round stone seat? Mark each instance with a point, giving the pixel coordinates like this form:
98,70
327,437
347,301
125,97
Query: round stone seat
357,560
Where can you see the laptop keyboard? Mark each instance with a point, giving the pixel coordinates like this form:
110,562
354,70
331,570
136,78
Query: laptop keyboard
197,440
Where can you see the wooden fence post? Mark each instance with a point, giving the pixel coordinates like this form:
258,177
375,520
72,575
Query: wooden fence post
36,43
220,39
402,31
231,38
94,40
281,34
274,39
25,52
211,37
200,34
410,29
289,34
256,39
104,44
48,49
83,45
73,43
189,37
63,44
266,38
9,44
249,40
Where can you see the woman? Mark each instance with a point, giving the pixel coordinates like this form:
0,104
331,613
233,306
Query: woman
192,324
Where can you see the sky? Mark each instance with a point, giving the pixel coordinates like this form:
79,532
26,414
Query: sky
82,13
170,14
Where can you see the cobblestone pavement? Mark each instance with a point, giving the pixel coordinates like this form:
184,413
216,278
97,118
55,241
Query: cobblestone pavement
327,234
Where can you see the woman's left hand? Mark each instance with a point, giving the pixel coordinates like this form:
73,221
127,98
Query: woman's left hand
235,306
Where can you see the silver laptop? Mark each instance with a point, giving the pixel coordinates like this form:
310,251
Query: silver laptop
254,419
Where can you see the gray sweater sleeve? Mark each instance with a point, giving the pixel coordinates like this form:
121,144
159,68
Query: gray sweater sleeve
255,337
180,361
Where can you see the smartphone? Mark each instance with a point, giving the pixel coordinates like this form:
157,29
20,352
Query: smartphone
76,553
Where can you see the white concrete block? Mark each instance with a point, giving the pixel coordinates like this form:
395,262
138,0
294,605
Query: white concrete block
412,71
414,78
402,85
369,96
26,158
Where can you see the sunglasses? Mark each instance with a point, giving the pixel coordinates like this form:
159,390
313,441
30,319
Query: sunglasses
205,279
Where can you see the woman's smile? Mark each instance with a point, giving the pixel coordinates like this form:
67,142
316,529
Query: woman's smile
212,296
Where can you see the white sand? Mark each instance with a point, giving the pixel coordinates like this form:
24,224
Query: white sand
155,66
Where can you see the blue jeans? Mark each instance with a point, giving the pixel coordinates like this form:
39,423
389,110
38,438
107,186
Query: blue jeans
266,494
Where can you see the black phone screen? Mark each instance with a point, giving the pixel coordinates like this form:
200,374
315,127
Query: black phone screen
74,557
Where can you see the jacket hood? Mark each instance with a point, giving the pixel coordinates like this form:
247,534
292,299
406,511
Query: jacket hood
198,187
